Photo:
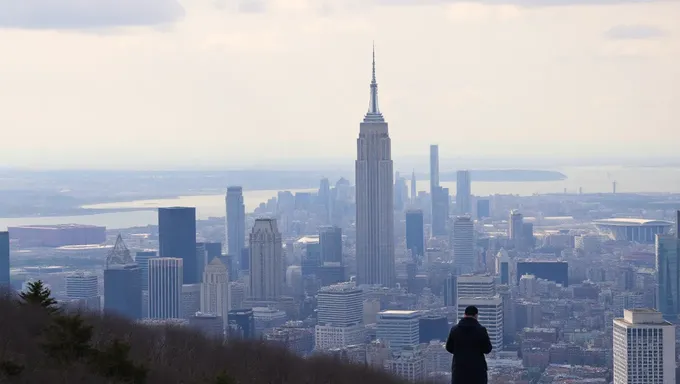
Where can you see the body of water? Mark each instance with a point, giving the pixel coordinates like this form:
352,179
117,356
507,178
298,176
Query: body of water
590,179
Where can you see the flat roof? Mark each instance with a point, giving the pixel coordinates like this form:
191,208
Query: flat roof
398,312
624,221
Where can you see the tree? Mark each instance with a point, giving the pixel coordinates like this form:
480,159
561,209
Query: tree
68,339
39,295
10,369
114,362
223,378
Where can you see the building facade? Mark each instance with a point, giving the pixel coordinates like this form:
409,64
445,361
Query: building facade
463,193
215,290
463,244
490,316
177,239
266,261
236,222
415,232
165,288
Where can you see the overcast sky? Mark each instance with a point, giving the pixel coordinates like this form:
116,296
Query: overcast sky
119,83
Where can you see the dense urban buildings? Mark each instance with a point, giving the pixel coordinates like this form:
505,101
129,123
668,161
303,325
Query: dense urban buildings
644,348
374,198
177,239
266,261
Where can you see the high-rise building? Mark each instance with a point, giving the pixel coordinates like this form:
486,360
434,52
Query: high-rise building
142,260
177,239
374,198
123,280
215,289
340,316
434,167
515,227
236,222
400,193
165,288
414,193
440,210
330,239
401,329
475,286
644,348
4,260
415,232
463,193
191,300
242,323
84,288
324,196
463,244
527,236
490,316
483,208
451,290
503,266
266,261
668,275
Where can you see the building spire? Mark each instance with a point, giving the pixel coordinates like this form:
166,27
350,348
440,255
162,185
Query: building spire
373,114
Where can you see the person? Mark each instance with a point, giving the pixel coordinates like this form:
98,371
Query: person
469,341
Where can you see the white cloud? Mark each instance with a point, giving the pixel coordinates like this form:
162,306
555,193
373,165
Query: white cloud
87,14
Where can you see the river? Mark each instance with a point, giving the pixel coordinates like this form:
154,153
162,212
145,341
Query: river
590,179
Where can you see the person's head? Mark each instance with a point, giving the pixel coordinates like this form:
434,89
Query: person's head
471,311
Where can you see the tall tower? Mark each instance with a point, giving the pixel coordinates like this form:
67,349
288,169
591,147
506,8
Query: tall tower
463,191
374,197
215,289
177,238
413,187
236,222
266,261
434,167
123,280
165,288
463,244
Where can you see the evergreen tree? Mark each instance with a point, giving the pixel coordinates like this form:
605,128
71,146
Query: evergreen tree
38,294
68,339
114,362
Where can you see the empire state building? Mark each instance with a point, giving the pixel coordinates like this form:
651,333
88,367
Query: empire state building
374,198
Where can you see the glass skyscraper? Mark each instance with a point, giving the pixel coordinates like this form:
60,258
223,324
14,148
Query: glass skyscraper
668,275
123,290
415,233
177,238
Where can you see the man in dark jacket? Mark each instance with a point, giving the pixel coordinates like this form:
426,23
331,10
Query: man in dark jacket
468,342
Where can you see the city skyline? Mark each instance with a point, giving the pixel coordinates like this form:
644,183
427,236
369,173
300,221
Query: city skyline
622,54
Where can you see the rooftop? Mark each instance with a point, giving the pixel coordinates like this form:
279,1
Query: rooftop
395,312
625,221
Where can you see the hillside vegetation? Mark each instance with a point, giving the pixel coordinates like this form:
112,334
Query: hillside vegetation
41,344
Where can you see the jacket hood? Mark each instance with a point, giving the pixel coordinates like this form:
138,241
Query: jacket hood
468,322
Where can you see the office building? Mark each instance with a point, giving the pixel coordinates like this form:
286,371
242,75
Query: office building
515,227
330,240
339,316
215,289
324,199
123,294
177,239
408,364
490,316
434,168
165,288
644,348
463,244
527,236
4,261
85,289
557,271
241,324
414,193
236,222
191,300
374,198
440,210
451,290
483,209
401,329
503,266
142,260
463,193
475,286
208,324
433,327
266,261
668,275
415,232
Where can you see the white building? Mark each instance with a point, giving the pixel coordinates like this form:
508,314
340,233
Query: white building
644,348
407,363
215,289
401,329
339,316
475,286
374,198
463,244
165,288
528,285
490,316
266,261
83,290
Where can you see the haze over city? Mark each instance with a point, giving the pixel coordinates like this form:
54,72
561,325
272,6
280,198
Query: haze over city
158,84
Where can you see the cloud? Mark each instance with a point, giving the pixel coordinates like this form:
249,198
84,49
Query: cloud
87,14
524,3
252,6
634,32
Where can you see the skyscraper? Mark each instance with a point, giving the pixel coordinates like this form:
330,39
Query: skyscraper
324,196
142,260
165,288
414,193
463,191
463,244
340,316
123,282
177,238
236,222
415,233
515,227
266,261
4,260
84,288
644,348
434,167
668,275
483,208
440,210
215,289
374,198
330,239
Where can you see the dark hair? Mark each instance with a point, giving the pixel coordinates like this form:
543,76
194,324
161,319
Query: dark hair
471,311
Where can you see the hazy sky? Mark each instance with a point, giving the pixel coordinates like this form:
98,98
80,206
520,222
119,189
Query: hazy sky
113,83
